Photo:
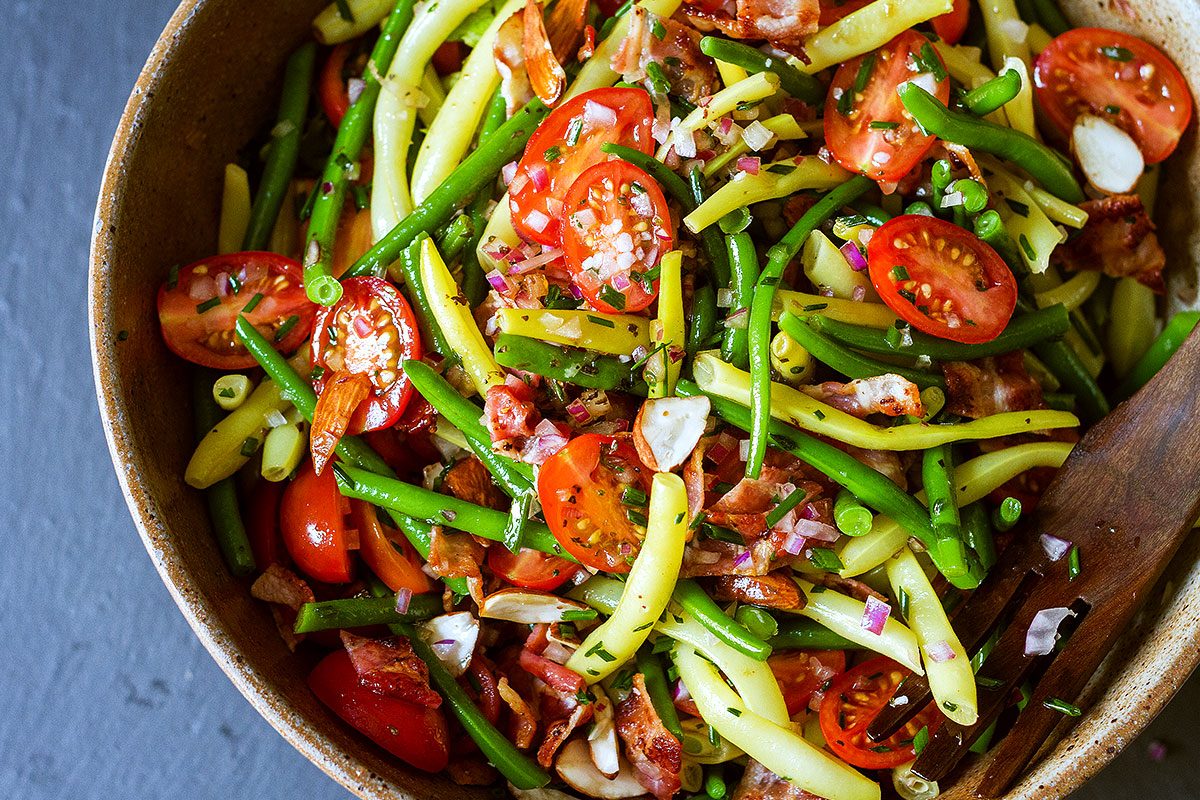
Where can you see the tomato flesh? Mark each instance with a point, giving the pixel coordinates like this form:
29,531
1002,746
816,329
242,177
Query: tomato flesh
567,143
530,569
1117,77
370,331
833,10
950,27
801,673
942,279
198,308
618,227
313,527
580,489
853,701
262,524
332,89
867,128
388,555
415,733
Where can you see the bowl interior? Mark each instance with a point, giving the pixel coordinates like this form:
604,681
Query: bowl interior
208,87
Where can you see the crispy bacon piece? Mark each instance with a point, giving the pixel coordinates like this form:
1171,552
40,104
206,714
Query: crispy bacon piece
690,73
343,393
990,386
509,411
483,673
880,394
774,590
524,724
562,680
654,752
286,592
469,480
885,462
390,667
509,53
558,730
1117,240
782,22
457,555
848,586
565,25
759,783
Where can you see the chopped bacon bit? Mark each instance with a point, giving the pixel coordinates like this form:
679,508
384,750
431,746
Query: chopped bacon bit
483,673
509,411
589,44
1117,240
775,590
677,51
524,724
457,555
885,462
848,586
990,386
555,675
654,752
469,480
888,394
286,592
759,783
783,22
390,667
559,729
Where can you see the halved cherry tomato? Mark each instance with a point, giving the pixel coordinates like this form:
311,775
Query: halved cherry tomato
618,227
314,528
530,569
866,126
802,672
1117,77
418,734
942,279
369,332
950,27
580,490
567,143
262,523
853,701
448,58
387,552
332,88
833,10
198,310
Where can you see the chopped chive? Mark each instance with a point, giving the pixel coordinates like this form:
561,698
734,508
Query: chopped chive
920,741
721,534
208,304
637,518
989,683
864,74
883,125
249,446
553,154
929,62
899,273
1062,706
612,297
1111,109
645,627
633,496
781,169
951,707
679,517
607,323
253,304
819,414
173,276
343,10
598,650
658,78
662,645
815,307
658,30
784,506
826,559
362,198
574,131
737,712
1117,53
902,601
226,392
579,614
286,327
1073,566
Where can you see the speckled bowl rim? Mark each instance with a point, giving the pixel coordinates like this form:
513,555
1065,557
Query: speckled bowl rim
1092,744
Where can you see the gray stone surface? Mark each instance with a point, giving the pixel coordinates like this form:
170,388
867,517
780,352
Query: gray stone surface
104,692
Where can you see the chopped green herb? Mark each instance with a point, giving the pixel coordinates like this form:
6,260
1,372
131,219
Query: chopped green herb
633,496
607,323
253,304
658,78
815,307
612,297
921,740
249,446
208,304
579,614
928,61
1111,109
784,506
553,154
951,707
1062,706
286,327
1073,566
737,712
902,601
883,125
826,559
1117,53
658,30
989,683
819,414
598,650
173,276
781,169
362,198
1027,248
343,10
226,392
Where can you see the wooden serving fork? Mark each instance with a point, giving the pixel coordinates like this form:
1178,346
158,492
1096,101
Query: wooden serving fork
1127,497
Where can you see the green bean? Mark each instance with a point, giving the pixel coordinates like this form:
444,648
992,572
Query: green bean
919,208
710,237
284,150
852,517
848,362
514,765
807,634
696,602
937,472
778,257
995,94
607,27
573,365
1023,331
474,282
704,318
1159,352
330,191
660,693
439,509
871,213
977,531
714,782
991,229
1007,515
221,497
456,236
409,269
1026,11
684,194
1059,401
1045,165
974,195
941,175
477,171
757,621
361,612
1065,364
1051,17
870,487
743,263
799,85
494,117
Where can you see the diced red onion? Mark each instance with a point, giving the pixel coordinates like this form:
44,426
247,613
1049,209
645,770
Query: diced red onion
584,218
202,287
675,354
403,598
536,220
875,615
738,319
854,256
865,235
497,281
816,530
685,143
1055,547
621,282
859,294
749,164
444,643
952,200
576,292
725,125
742,558
744,449
508,172
598,115
543,258
354,89
642,204
794,543
940,652
681,692
579,412
718,453
757,136
362,326
539,176
1043,630
725,298
253,272
547,440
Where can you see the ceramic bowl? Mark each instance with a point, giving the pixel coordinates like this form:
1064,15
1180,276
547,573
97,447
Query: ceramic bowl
209,85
